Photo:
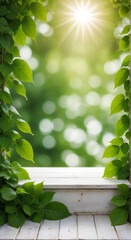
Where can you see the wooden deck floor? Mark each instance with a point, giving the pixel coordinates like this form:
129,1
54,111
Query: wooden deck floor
75,227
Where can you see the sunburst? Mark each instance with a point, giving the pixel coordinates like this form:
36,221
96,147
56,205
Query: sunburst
84,18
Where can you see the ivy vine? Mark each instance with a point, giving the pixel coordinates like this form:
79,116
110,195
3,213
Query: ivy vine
119,147
17,21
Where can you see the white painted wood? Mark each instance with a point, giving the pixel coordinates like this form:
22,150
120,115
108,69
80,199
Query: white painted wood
7,232
28,231
104,228
68,228
89,172
49,230
86,227
85,201
78,183
124,231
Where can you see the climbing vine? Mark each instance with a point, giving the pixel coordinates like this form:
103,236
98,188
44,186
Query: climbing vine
119,147
17,21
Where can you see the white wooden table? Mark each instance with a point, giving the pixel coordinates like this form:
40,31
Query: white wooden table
75,227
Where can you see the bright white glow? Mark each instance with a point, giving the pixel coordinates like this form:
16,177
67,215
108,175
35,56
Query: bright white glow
49,142
25,52
58,124
46,126
92,148
49,107
93,126
73,134
93,98
107,137
83,15
70,158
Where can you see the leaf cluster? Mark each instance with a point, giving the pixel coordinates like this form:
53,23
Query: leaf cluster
17,22
119,147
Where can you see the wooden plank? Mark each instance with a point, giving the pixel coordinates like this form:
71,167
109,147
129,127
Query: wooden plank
78,183
7,232
68,228
85,201
28,231
86,227
124,231
104,228
49,230
91,172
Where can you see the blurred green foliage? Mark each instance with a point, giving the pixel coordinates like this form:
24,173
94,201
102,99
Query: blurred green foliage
68,108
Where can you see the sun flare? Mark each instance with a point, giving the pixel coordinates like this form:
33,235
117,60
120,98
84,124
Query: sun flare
83,18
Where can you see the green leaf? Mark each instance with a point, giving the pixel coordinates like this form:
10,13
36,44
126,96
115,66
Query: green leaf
16,219
118,201
22,70
5,69
20,37
23,126
29,27
122,125
8,57
29,187
3,24
20,88
5,123
46,197
8,193
3,10
123,11
5,141
125,148
14,24
38,217
14,111
14,135
126,105
39,11
28,209
24,149
118,216
55,211
126,30
6,41
38,189
20,172
116,105
126,61
110,170
123,173
121,76
5,97
3,217
124,42
116,141
117,163
15,51
110,151
10,208
124,190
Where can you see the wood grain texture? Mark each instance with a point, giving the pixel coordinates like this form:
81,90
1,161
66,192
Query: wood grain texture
28,231
49,230
104,228
86,227
7,232
124,231
68,228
